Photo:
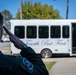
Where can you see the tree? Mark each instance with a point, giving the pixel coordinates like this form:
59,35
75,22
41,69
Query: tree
6,17
38,11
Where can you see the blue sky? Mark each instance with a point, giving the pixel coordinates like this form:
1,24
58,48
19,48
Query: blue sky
14,5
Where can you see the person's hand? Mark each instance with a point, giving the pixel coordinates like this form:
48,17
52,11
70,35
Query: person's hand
15,40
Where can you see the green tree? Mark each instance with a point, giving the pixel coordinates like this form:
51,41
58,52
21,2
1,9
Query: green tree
38,11
6,17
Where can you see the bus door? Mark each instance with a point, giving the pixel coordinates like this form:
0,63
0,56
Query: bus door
73,38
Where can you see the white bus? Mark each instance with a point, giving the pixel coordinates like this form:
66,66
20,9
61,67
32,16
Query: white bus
46,37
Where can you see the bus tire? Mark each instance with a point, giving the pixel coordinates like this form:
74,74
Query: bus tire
46,53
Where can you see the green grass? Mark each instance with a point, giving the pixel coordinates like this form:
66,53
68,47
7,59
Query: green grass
49,65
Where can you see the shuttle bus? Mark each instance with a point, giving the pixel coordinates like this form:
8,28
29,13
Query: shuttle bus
46,37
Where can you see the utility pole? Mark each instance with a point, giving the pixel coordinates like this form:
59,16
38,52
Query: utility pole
67,9
20,9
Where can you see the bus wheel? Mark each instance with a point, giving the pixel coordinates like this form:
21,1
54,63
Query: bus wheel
46,53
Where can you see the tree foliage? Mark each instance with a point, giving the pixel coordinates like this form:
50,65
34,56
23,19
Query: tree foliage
38,11
6,17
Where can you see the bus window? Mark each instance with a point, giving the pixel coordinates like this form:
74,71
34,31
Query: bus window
31,32
43,32
19,31
55,32
65,31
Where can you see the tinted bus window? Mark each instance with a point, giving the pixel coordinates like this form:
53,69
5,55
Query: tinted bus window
43,32
65,32
31,32
19,31
55,32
